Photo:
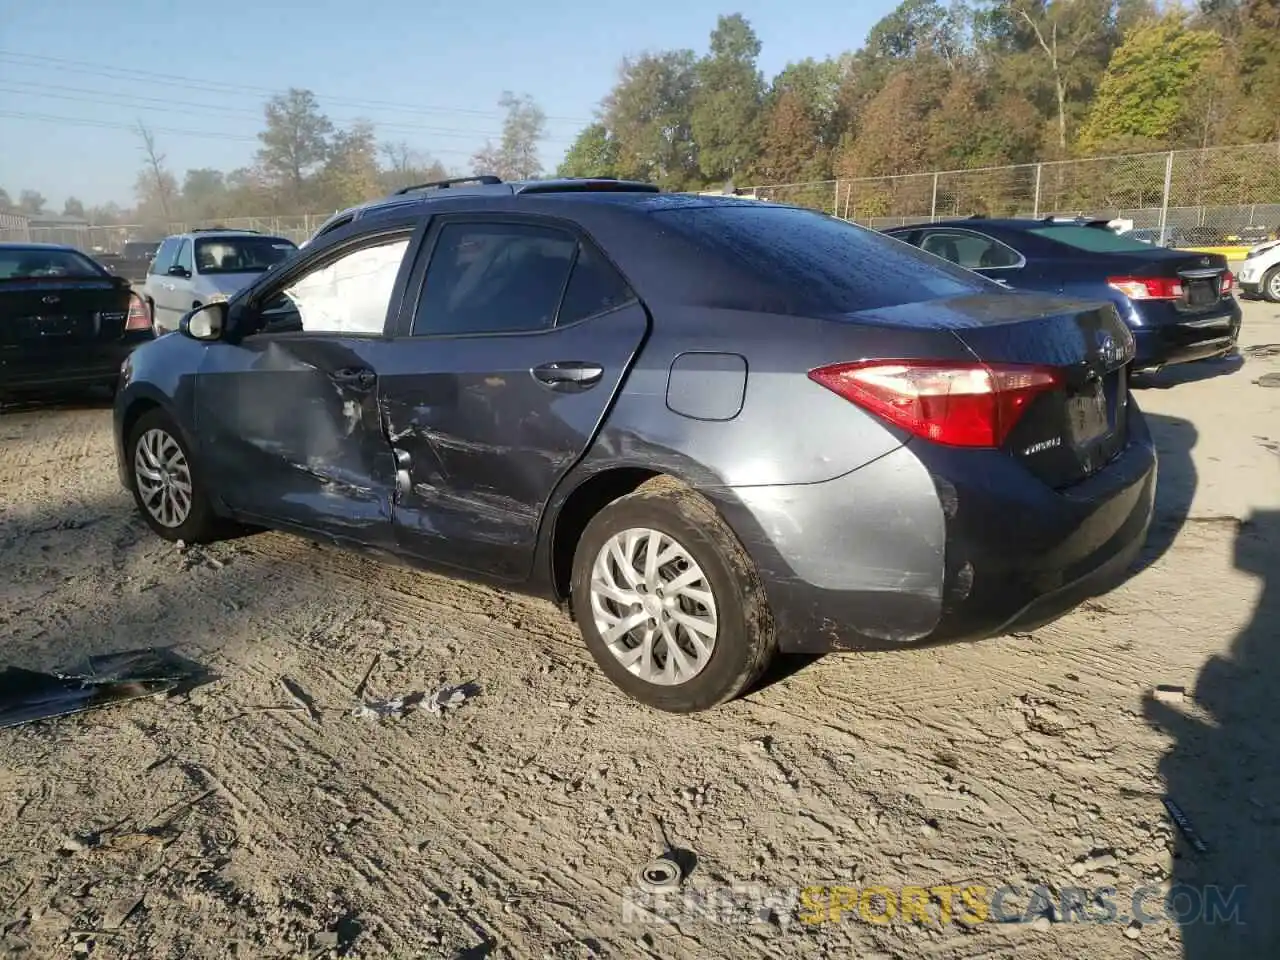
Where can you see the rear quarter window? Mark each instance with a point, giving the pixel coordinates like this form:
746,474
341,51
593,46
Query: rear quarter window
834,265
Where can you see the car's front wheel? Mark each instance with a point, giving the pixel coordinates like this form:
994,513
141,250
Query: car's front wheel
1271,285
170,495
669,602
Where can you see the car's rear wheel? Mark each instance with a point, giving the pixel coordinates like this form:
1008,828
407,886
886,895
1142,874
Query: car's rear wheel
670,604
170,495
1271,285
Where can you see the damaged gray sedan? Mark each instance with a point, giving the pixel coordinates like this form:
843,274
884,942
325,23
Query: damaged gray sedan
713,428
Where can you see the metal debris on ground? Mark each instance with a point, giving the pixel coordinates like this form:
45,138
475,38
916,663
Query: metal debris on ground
381,709
666,872
30,695
1167,693
450,697
1184,826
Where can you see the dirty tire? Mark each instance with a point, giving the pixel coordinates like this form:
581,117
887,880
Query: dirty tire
201,524
745,641
1271,285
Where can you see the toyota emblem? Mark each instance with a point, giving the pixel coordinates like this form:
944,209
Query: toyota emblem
51,299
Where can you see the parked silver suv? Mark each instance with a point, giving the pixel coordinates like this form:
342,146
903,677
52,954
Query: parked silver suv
204,266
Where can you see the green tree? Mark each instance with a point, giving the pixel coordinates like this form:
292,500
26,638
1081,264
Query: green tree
1259,117
594,153
350,174
31,202
204,194
1144,93
516,155
918,27
726,104
892,135
71,207
648,115
295,141
817,85
6,202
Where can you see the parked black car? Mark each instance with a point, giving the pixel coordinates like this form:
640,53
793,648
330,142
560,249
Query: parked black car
1179,305
714,427
132,261
64,320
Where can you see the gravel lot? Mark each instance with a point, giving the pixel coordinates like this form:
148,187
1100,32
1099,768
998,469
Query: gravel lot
513,825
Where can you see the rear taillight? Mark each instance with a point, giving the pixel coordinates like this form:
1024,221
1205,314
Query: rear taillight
139,315
958,404
1147,288
1228,283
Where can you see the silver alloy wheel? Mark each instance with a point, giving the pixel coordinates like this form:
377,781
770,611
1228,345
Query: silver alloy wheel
653,606
163,477
1273,286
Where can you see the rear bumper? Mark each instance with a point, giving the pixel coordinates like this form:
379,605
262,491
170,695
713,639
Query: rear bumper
929,544
1181,340
27,371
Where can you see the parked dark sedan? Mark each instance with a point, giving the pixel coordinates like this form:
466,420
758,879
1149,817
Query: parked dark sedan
65,321
1179,305
713,427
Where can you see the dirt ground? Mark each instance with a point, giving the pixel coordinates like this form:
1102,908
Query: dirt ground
230,822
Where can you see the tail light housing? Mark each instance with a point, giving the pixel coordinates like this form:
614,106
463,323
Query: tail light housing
1147,288
956,404
1228,284
139,316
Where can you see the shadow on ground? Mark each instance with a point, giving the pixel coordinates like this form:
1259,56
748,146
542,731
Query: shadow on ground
1221,772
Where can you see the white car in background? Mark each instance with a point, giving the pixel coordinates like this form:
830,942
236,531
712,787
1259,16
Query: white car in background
1260,274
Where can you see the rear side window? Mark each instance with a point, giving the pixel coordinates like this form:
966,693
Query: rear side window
833,265
1093,239
33,263
164,256
594,287
973,251
494,278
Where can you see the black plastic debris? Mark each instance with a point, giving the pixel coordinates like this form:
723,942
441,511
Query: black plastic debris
99,681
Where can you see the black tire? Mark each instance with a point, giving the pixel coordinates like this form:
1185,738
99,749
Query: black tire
1271,284
201,524
745,642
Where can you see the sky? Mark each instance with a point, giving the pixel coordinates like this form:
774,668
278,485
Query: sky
77,77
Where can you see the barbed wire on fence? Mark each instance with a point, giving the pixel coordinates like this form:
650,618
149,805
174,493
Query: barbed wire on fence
1216,190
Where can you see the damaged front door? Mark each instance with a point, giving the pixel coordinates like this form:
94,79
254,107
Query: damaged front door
288,412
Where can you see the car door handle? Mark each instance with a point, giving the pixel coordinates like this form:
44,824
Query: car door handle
569,373
361,377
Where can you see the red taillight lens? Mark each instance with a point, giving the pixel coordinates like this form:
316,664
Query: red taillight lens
958,404
139,315
1228,283
1147,288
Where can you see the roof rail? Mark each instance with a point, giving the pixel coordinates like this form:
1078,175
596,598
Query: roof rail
483,180
586,184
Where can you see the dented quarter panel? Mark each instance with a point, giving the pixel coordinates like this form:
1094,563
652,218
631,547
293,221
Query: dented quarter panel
286,439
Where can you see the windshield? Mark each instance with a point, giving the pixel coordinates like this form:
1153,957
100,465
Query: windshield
34,263
1093,239
842,267
241,254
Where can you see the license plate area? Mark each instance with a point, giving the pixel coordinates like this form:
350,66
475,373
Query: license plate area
1202,293
50,326
1087,414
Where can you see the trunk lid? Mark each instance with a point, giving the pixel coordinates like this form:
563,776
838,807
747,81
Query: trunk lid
62,312
1068,433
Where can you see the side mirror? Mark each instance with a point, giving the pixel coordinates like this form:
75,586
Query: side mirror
177,271
205,323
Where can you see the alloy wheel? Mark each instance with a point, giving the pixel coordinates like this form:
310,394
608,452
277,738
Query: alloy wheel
163,477
653,606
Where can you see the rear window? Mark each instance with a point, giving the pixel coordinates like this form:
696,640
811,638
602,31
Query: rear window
241,254
35,263
837,266
1093,239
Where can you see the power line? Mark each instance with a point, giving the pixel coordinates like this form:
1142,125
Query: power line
172,131
173,80
169,105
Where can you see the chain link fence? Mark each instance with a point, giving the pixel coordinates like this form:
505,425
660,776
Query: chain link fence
1220,195
111,239
1215,196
